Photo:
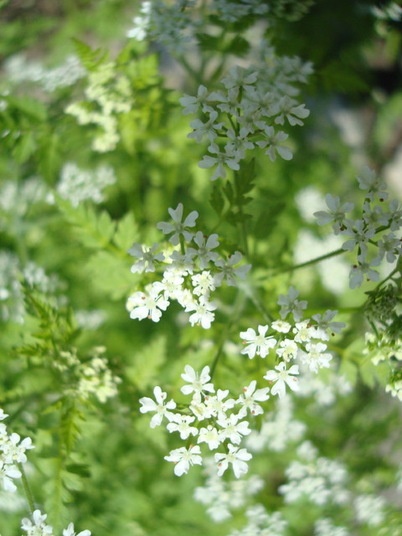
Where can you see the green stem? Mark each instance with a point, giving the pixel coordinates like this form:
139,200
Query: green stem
311,261
27,489
242,222
238,307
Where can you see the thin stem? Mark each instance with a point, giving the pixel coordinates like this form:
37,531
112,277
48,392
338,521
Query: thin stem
238,306
311,261
242,222
27,489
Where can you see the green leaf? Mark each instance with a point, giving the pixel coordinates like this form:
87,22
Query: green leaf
109,274
144,372
93,230
89,57
216,199
126,232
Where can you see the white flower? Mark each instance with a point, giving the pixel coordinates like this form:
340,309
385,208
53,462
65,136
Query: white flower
217,404
248,400
38,527
161,409
178,228
210,436
203,283
202,315
274,143
69,531
14,450
236,457
316,357
233,429
205,245
191,104
281,326
7,473
184,458
282,378
207,129
197,384
227,270
336,214
182,424
150,305
287,350
257,344
146,258
289,304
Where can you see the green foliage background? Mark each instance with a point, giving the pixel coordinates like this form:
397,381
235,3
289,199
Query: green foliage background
100,464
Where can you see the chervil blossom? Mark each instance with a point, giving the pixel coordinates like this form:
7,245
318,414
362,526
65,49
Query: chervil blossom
146,258
191,105
14,449
227,270
233,429
282,377
288,349
257,344
204,251
236,457
217,404
336,214
315,356
159,407
7,474
203,314
248,400
184,458
148,305
290,304
210,436
182,424
197,384
203,283
178,228
69,531
38,527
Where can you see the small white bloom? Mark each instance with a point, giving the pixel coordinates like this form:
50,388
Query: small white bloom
159,407
38,527
203,314
178,228
238,458
257,344
196,384
184,458
210,436
248,400
182,424
69,531
282,377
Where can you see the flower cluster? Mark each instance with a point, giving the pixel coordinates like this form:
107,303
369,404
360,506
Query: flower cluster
12,452
246,112
20,69
91,377
12,307
374,237
302,343
212,418
193,270
222,496
108,94
37,526
78,185
318,479
176,25
262,522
